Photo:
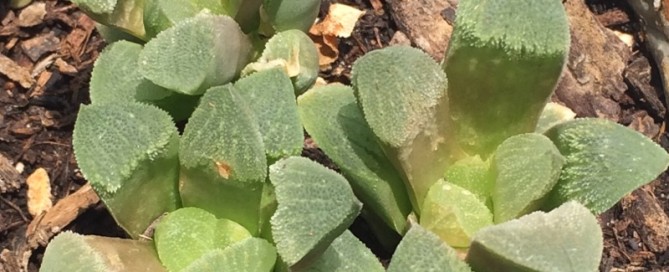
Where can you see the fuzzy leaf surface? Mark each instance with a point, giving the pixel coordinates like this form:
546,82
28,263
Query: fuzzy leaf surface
347,254
312,200
565,239
526,168
552,115
472,174
290,14
163,14
332,118
122,14
604,162
421,250
252,254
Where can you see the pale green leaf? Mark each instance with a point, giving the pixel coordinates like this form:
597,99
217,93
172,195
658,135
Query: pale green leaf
113,34
526,168
271,98
347,254
454,214
71,252
185,235
604,162
565,239
196,54
552,115
163,14
128,151
503,61
315,206
250,255
423,251
472,174
125,14
407,109
223,165
332,118
290,14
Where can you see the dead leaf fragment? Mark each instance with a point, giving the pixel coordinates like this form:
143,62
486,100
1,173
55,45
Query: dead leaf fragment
339,22
39,192
32,15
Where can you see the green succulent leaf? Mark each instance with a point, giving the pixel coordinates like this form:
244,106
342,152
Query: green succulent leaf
503,61
284,15
604,162
526,168
332,118
295,52
271,98
69,251
552,115
223,164
196,54
122,14
252,254
127,150
420,250
472,174
113,34
454,214
163,14
347,254
407,109
312,200
565,239
185,235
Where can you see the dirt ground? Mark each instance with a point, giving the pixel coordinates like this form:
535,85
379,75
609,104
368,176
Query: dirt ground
46,63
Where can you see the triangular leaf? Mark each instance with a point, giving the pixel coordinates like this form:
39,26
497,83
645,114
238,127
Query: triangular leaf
604,162
472,174
420,250
252,254
332,118
347,254
552,115
566,239
315,206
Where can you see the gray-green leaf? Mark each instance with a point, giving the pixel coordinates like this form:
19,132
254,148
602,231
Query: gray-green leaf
347,254
252,255
290,14
423,251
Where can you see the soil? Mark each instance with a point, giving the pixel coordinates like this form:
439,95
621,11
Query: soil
58,52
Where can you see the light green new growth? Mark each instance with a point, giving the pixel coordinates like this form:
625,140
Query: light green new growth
552,115
407,109
129,149
604,162
503,62
271,98
421,250
526,167
472,174
222,156
347,254
290,14
315,206
252,254
350,143
196,54
163,14
73,252
565,239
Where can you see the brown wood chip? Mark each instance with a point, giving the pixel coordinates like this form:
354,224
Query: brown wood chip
10,179
15,72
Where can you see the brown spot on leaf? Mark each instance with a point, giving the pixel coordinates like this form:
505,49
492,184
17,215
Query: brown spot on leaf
223,169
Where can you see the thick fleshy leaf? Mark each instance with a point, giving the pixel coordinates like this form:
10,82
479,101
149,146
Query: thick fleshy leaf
566,239
347,254
526,168
112,34
163,14
223,164
552,115
290,14
128,151
407,109
187,234
604,162
454,214
332,118
315,206
271,98
503,61
253,254
196,54
122,14
421,250
74,252
293,51
472,174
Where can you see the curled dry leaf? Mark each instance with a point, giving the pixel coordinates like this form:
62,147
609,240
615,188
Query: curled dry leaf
339,22
39,192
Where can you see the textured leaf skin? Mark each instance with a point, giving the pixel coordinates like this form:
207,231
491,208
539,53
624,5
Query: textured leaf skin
454,214
347,254
196,54
113,34
252,254
332,118
552,115
163,14
407,109
185,235
291,14
127,151
315,206
122,14
503,61
271,98
71,252
472,174
604,162
565,239
526,167
223,165
421,250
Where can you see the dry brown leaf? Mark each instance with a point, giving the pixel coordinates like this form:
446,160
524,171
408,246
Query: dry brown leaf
39,192
339,22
